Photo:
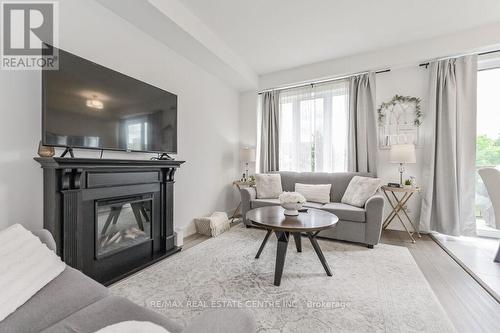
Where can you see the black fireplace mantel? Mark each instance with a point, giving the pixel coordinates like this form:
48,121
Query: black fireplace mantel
73,188
67,162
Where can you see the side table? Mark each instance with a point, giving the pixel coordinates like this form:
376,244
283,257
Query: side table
239,184
398,205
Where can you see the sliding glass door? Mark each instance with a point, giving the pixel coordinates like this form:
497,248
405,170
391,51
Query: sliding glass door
487,144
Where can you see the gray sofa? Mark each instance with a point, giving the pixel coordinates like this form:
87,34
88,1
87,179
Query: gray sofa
72,302
360,225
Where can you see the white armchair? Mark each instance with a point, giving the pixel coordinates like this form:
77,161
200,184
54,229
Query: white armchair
491,179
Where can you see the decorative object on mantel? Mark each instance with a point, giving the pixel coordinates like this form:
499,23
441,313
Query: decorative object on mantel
402,154
247,155
292,202
45,151
399,121
212,225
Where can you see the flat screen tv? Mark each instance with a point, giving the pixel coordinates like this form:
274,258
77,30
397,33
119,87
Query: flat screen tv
86,105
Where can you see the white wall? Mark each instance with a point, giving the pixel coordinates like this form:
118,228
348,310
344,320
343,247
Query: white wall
407,81
248,124
20,131
208,117
248,118
480,39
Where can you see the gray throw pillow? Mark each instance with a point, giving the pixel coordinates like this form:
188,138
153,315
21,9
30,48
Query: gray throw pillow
359,190
268,185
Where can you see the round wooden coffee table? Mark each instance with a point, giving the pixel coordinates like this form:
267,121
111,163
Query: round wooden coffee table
274,220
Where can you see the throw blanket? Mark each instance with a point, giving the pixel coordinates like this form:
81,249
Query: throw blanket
133,326
27,265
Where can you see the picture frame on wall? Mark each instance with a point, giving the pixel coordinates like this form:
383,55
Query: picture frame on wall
399,121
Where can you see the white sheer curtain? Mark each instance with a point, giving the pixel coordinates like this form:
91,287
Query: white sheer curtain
313,128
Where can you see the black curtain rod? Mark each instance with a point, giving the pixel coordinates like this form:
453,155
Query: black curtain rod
425,64
320,82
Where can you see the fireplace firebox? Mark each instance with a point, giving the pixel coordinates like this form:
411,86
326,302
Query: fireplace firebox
109,218
122,223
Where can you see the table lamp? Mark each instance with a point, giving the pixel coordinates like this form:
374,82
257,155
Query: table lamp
402,154
247,155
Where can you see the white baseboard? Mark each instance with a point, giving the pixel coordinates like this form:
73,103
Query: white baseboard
189,230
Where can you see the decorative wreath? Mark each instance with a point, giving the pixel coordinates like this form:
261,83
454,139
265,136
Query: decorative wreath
401,100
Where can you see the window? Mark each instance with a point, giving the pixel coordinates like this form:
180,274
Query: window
134,137
137,134
487,143
313,128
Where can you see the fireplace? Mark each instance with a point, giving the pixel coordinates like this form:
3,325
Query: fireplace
122,224
109,218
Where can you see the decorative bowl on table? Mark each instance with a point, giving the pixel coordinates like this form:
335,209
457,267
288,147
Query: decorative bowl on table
292,202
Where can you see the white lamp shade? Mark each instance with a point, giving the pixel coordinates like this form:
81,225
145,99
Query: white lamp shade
402,154
247,155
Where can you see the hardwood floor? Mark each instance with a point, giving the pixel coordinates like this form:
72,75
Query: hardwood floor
475,255
469,307
193,240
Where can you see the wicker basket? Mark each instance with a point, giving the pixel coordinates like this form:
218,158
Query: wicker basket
213,225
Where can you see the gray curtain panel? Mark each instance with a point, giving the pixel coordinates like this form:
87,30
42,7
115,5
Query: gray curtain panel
269,141
450,148
362,135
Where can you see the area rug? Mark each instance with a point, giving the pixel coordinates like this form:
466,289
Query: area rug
371,290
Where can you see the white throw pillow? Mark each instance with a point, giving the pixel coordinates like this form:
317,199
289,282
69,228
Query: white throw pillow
133,326
268,185
314,192
359,190
27,266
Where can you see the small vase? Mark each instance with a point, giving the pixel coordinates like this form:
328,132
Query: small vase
45,151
